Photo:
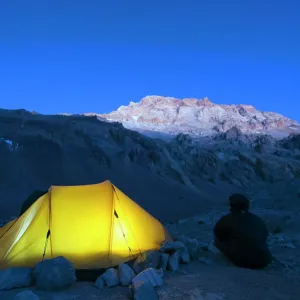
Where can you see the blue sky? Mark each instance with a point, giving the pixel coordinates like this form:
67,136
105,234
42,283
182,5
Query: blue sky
93,56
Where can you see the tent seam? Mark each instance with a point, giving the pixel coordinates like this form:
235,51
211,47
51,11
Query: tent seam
50,217
112,226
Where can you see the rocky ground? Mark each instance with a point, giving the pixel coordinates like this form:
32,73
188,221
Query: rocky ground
193,282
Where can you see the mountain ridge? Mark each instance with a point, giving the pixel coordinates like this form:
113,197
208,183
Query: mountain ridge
198,117
37,151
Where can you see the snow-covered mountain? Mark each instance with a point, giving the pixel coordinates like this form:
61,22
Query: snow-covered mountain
196,117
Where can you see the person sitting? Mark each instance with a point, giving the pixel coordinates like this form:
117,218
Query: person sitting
242,236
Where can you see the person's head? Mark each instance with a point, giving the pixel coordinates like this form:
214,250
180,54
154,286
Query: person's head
238,203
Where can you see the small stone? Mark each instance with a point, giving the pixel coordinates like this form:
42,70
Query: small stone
164,258
289,246
184,257
150,275
15,278
173,262
193,249
100,284
148,259
213,249
111,277
126,274
143,290
55,273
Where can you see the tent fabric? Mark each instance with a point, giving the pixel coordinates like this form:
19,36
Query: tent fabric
30,200
94,226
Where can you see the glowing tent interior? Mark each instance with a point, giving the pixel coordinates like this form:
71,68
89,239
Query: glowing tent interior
94,226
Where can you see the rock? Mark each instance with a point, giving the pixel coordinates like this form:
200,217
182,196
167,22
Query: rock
148,259
15,278
204,246
193,249
143,290
150,275
52,274
289,246
111,277
184,256
100,284
173,262
126,274
26,295
170,247
213,249
164,257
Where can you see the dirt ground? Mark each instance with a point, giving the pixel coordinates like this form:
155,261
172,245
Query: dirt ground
195,281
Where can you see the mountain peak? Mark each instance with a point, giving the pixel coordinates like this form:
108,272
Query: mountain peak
198,117
158,100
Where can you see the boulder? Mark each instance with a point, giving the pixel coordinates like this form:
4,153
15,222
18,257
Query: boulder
100,284
143,290
164,257
170,247
148,259
15,278
52,274
173,262
26,295
150,275
111,277
126,274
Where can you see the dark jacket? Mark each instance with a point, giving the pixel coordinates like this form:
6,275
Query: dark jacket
242,237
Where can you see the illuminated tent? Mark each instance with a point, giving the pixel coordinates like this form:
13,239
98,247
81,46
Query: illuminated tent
94,226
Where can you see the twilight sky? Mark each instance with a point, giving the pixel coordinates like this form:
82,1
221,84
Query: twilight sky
94,56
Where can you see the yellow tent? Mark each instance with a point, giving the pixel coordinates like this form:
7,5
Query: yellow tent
94,226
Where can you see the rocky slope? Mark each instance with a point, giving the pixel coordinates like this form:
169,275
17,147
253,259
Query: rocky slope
198,117
37,151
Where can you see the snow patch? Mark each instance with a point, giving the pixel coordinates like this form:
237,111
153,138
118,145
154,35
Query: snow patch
10,144
135,118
